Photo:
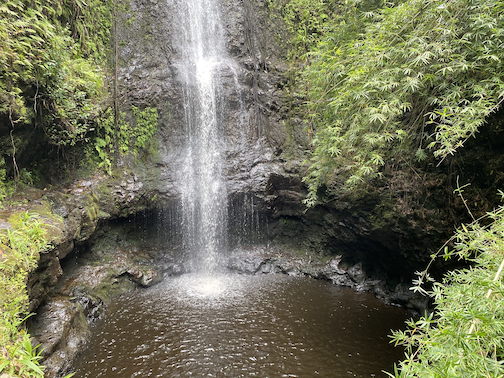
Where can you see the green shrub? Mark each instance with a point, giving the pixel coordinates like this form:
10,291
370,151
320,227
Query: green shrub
19,255
463,337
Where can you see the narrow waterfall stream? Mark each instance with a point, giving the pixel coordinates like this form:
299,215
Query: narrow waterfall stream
208,323
204,199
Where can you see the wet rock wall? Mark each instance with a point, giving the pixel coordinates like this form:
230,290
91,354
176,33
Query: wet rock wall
372,239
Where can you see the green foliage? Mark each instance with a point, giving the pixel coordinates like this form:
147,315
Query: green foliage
19,255
146,125
123,137
90,24
49,64
311,21
306,21
463,338
74,93
104,142
420,74
21,359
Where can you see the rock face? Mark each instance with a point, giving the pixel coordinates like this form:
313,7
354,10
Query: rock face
391,229
392,226
372,240
95,272
268,260
389,232
253,131
66,305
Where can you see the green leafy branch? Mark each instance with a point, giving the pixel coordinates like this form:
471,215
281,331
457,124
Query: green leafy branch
422,75
463,337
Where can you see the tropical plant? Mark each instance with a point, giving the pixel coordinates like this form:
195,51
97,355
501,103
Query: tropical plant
19,255
463,336
420,75
49,56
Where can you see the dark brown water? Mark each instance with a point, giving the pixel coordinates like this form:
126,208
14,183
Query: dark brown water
243,326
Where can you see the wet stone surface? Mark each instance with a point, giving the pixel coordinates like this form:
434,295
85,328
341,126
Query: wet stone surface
91,280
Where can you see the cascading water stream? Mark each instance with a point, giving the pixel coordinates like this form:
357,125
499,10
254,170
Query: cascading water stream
204,198
228,325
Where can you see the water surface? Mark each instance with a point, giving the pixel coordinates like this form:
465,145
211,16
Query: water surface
243,326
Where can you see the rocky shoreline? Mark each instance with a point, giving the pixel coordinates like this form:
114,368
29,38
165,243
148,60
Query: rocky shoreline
63,324
97,256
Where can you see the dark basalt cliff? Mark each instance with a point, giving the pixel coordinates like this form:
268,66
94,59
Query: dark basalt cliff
113,233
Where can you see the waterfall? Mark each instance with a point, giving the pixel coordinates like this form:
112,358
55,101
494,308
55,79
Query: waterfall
201,44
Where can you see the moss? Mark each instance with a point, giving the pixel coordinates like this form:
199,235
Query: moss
92,212
52,223
114,287
103,215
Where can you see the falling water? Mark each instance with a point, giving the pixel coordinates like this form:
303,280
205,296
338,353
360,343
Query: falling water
204,198
225,325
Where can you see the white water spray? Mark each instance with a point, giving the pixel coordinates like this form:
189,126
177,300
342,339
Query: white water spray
204,198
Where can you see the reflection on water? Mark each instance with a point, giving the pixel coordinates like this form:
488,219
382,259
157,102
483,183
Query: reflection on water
243,326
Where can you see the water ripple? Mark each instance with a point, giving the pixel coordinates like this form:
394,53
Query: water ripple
243,326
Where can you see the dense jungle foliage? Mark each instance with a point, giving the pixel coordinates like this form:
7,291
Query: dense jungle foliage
52,72
50,64
57,71
57,75
389,81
